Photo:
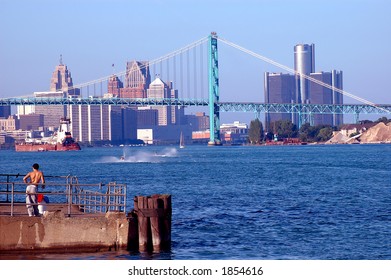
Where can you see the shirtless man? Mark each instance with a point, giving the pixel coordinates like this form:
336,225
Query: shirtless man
35,176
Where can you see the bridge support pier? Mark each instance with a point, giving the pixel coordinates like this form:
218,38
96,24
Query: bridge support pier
214,110
356,117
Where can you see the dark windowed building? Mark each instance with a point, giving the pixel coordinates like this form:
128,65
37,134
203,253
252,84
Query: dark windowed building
287,88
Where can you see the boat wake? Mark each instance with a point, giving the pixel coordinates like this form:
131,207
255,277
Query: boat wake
141,156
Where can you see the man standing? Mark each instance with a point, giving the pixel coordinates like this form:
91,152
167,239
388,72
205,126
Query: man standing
35,176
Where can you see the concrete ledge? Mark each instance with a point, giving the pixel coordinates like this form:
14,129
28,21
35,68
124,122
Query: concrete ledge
56,232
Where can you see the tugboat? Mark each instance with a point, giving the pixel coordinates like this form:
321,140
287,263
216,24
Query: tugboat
61,141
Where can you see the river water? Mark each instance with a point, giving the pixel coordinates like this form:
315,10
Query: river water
242,202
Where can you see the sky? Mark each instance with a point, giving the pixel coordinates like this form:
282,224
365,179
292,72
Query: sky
91,35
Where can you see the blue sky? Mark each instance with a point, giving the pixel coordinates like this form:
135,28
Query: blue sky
352,36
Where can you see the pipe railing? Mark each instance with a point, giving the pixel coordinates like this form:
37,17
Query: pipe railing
76,198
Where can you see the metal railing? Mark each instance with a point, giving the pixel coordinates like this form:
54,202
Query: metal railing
70,197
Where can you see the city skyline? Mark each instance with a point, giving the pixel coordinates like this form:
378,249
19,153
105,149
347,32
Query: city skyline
271,28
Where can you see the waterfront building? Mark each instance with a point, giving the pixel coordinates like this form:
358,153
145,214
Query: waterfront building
234,133
102,123
164,135
198,122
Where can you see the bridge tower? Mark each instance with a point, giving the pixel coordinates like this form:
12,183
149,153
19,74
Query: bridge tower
214,110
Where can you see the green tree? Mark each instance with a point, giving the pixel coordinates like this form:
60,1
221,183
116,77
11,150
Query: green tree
255,133
383,120
310,133
325,133
284,129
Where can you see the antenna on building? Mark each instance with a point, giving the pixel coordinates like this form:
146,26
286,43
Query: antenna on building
61,59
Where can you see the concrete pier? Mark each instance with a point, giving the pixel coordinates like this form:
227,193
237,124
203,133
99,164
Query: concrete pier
56,232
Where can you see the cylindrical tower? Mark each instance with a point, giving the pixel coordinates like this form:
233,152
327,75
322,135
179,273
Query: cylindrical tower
304,64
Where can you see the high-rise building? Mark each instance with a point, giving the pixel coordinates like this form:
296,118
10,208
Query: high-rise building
31,122
323,95
62,80
53,113
5,111
159,90
61,86
279,88
304,60
102,123
114,86
167,115
286,88
137,80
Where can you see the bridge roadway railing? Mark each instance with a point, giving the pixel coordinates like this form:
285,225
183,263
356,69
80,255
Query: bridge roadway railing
70,197
223,106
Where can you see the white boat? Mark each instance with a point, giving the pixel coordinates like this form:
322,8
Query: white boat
181,142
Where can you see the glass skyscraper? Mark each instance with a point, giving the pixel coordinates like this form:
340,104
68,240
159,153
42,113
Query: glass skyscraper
288,88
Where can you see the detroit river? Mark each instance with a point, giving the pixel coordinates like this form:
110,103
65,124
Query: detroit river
290,202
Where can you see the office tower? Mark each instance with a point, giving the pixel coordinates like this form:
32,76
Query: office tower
62,80
279,88
61,86
304,60
5,111
323,95
177,112
137,80
53,113
114,86
146,117
285,88
102,123
159,90
32,122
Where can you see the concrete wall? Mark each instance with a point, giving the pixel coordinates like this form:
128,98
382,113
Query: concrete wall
54,231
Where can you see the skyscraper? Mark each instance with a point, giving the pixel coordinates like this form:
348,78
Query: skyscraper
137,80
5,111
322,95
62,80
167,115
286,88
114,86
100,123
279,88
53,113
159,90
304,59
61,86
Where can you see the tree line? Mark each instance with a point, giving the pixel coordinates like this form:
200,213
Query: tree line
286,129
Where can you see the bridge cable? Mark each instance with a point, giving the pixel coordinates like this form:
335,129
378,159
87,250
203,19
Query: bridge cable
151,62
300,74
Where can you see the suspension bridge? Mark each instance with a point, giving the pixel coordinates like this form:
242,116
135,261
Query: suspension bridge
187,68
